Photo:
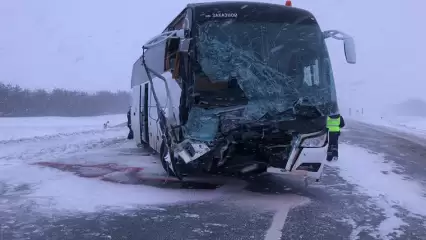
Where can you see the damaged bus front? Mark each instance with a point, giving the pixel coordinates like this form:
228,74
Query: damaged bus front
249,90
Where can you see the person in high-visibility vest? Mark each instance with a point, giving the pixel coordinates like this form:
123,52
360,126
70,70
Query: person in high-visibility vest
334,123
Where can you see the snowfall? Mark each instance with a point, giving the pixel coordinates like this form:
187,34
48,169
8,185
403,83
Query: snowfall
71,49
83,140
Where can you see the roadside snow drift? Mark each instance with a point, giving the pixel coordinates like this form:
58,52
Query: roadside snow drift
376,178
406,124
30,127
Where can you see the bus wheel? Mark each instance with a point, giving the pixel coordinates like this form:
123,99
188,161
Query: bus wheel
164,150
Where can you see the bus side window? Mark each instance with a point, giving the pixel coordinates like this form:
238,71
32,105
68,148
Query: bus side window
179,25
172,48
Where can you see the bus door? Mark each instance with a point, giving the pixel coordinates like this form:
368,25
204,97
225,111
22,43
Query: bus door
144,113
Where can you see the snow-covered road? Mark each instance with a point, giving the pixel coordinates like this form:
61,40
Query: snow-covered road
375,191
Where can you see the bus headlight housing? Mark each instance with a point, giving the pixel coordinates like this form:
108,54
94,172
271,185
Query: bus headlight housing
315,141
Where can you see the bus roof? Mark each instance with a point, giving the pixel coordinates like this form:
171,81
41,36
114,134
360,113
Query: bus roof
246,8
252,5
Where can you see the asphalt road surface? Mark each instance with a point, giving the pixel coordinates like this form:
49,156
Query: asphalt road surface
268,208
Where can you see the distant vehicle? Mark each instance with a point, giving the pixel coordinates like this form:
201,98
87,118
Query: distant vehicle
237,88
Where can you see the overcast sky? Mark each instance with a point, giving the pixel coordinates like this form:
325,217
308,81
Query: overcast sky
92,44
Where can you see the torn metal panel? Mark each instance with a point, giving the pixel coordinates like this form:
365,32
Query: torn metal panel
189,151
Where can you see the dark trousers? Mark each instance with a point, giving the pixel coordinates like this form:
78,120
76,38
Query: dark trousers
130,136
333,145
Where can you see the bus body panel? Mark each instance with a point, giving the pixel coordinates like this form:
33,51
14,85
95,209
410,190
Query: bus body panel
155,134
309,156
312,156
306,161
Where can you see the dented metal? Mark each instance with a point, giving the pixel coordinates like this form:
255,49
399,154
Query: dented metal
245,92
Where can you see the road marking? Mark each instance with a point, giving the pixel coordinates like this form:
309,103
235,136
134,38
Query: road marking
275,230
281,204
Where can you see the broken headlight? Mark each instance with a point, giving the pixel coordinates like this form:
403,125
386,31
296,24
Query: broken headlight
314,142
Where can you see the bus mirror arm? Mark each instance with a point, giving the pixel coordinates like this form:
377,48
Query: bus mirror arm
181,33
348,42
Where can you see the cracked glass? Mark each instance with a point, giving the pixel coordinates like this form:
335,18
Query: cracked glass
274,64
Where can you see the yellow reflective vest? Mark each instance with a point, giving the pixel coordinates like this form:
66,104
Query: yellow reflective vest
333,124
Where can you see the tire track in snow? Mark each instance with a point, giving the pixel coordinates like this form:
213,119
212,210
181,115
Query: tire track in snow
49,137
57,136
53,147
17,155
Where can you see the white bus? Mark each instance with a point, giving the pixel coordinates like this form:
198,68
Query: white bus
237,88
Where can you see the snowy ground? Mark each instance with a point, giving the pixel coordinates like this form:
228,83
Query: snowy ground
375,191
407,124
30,127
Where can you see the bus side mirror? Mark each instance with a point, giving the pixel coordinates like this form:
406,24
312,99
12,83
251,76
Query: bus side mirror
348,44
349,47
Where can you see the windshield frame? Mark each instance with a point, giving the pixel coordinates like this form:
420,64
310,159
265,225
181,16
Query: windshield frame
270,15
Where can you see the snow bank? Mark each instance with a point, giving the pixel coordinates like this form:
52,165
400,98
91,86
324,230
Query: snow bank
412,125
375,177
29,127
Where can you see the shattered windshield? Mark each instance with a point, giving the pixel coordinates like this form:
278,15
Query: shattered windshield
274,63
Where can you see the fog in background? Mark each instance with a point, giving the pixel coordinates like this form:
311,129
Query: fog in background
19,102
91,45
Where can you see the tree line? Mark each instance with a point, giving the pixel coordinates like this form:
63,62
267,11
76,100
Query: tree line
16,101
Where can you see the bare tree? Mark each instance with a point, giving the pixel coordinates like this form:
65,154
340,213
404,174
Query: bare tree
16,101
